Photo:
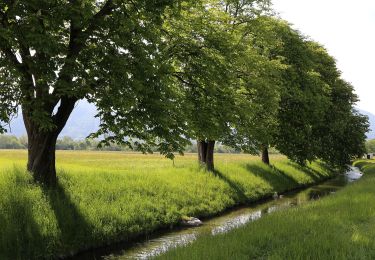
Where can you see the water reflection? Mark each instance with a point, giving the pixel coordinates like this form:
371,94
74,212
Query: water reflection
236,222
227,222
163,245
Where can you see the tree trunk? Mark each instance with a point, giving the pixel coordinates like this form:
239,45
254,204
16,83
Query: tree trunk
210,156
265,156
42,143
41,156
202,152
206,154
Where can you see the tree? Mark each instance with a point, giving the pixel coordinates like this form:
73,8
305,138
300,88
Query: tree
206,42
259,79
343,136
65,143
317,119
10,142
288,121
199,47
54,53
340,132
370,146
300,105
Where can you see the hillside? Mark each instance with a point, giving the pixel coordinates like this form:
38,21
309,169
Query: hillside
371,134
81,123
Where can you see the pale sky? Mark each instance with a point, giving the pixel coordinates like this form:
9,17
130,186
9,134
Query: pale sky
347,29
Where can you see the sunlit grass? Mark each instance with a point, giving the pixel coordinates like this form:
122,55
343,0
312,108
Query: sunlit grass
103,197
341,226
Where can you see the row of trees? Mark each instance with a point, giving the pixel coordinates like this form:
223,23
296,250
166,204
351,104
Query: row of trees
68,143
64,143
164,72
12,142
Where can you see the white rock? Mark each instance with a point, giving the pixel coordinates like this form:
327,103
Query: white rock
192,222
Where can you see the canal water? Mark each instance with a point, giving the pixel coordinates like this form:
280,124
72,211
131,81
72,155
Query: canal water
164,241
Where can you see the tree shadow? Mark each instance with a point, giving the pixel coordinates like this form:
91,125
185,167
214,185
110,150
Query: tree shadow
239,190
20,232
278,179
73,226
312,173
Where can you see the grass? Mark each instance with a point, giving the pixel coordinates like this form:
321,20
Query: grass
104,197
341,226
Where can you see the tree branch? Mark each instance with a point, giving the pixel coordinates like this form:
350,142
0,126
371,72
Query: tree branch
21,67
78,37
65,109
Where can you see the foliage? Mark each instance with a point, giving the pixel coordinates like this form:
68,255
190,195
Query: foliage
55,53
258,73
370,146
68,143
200,47
342,131
10,142
64,143
104,197
311,113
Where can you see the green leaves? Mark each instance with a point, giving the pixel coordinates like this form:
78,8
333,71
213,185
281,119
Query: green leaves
105,51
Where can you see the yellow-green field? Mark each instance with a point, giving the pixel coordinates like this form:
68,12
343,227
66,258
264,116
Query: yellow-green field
104,197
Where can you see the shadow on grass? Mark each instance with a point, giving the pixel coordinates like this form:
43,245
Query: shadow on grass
314,174
239,190
20,232
278,179
73,226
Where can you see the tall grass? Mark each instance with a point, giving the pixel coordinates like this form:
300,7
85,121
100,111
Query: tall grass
104,197
341,226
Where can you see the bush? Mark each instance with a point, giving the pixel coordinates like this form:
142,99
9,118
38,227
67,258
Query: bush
10,142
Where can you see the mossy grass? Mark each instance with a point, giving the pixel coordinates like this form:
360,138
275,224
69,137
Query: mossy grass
340,226
105,197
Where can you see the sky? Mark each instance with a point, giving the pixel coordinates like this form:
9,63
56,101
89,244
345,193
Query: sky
347,29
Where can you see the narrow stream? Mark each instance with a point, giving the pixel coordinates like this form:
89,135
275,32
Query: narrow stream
160,243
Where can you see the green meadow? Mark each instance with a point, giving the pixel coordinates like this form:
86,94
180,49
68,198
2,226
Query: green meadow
340,226
104,197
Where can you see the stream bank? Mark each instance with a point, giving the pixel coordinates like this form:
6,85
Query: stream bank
162,241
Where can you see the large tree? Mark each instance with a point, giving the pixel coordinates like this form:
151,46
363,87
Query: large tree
259,76
340,136
304,97
208,45
318,119
54,53
200,47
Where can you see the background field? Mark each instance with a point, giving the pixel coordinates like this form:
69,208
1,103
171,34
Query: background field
103,197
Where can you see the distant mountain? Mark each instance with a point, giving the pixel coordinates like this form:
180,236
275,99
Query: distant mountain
81,123
371,117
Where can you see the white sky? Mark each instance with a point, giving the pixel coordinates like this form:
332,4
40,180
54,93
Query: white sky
347,29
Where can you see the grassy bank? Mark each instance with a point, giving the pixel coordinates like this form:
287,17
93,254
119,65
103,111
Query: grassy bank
341,226
103,197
